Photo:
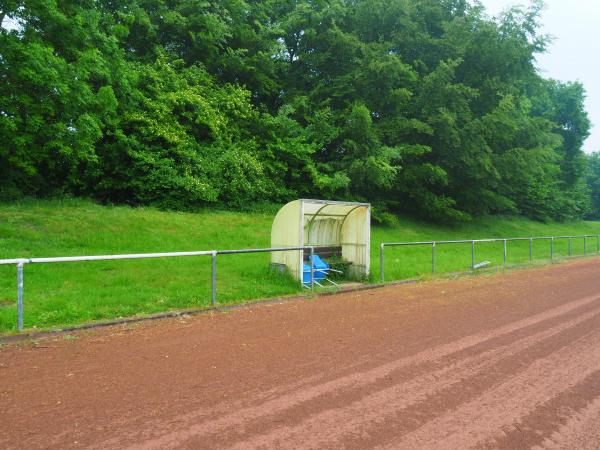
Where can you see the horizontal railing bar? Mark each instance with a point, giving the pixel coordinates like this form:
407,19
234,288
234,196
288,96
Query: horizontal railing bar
13,261
61,259
105,257
390,244
470,241
262,250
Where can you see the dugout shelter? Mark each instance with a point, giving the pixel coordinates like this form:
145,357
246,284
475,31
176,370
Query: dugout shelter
334,228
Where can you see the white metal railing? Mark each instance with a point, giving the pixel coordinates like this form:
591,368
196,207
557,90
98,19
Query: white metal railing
21,262
473,242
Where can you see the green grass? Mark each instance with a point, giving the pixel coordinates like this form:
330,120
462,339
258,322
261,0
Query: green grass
408,262
71,293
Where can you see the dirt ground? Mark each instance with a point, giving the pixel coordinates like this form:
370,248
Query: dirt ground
504,361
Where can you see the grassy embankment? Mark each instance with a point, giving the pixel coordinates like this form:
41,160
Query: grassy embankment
71,293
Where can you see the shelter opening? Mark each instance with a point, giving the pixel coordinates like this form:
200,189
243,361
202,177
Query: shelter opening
335,229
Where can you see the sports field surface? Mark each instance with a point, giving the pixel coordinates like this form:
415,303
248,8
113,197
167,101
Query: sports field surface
501,361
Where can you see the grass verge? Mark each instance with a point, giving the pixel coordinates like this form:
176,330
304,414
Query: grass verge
72,293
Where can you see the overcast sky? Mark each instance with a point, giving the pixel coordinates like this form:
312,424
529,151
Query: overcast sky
574,54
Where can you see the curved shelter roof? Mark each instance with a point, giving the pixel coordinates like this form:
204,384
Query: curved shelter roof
323,223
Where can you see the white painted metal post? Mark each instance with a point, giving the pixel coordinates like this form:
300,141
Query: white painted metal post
381,258
312,269
213,277
20,296
530,250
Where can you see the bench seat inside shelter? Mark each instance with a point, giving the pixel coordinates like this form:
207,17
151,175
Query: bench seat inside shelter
334,251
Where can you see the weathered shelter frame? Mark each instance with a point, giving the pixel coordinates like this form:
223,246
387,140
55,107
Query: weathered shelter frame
323,224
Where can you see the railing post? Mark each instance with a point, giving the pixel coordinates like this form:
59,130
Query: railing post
552,249
213,277
570,246
381,269
504,252
433,257
585,246
597,244
472,255
530,250
20,296
312,268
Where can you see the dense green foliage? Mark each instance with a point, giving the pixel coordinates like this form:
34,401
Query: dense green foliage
593,181
71,293
423,106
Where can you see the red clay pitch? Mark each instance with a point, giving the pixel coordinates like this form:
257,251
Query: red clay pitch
504,361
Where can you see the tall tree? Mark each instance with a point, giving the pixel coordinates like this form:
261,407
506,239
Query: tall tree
427,106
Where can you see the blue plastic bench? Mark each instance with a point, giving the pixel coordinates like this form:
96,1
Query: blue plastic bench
320,272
